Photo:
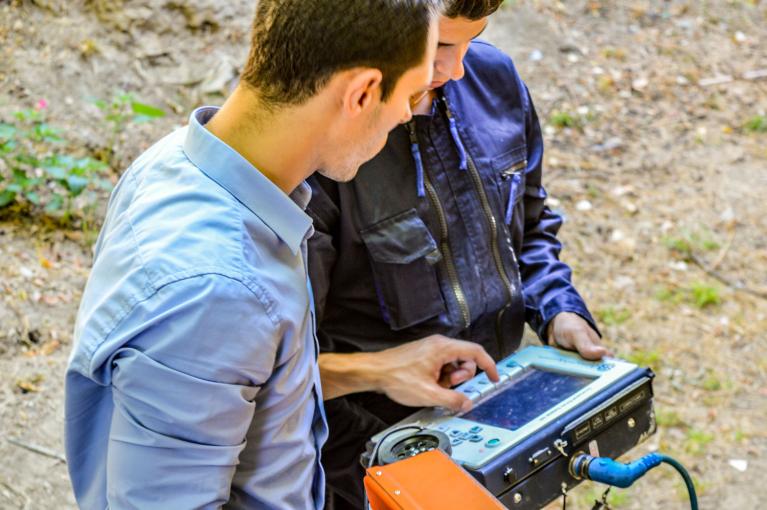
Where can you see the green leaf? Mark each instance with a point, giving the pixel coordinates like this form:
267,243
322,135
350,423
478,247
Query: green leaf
55,172
7,131
144,112
7,197
105,184
33,197
55,204
76,184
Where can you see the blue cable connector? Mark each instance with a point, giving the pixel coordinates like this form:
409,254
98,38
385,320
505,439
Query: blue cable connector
611,472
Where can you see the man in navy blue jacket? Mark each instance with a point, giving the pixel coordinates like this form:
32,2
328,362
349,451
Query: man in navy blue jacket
445,234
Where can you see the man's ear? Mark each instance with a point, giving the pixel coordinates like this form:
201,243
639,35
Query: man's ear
363,88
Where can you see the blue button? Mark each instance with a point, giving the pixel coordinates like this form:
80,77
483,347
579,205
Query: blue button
475,429
492,443
456,441
466,435
455,433
512,364
475,438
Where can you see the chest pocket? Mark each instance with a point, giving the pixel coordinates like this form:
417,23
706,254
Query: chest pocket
510,169
403,254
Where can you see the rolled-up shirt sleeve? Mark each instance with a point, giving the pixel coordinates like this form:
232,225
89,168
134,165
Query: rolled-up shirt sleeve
184,367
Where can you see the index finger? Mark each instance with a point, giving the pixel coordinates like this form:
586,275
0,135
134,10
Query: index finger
474,352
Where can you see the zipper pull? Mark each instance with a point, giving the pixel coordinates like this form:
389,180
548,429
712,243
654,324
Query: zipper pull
462,159
516,178
415,151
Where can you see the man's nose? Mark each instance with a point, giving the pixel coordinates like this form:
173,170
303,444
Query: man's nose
457,63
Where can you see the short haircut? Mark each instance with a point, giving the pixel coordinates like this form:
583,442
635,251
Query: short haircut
297,45
471,9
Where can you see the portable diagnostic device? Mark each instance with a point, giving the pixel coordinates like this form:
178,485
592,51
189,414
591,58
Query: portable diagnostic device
521,433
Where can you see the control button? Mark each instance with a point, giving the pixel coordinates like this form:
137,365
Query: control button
492,443
475,429
466,435
512,364
472,394
456,441
504,373
455,433
443,428
475,438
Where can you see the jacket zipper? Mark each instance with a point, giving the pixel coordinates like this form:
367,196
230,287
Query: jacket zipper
447,256
507,174
493,223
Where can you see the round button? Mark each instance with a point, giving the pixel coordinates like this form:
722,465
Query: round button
475,429
492,443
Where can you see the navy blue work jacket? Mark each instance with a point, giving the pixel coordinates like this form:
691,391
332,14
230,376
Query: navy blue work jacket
446,230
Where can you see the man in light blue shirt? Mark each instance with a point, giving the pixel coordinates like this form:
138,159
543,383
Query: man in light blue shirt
193,381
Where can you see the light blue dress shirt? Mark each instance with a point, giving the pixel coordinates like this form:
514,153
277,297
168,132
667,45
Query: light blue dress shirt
193,382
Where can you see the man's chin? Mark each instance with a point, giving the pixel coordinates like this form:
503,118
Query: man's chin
340,174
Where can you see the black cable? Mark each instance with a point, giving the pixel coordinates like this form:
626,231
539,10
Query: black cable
687,479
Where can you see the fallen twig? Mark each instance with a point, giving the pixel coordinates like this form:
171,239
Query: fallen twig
37,449
733,285
18,493
757,74
723,253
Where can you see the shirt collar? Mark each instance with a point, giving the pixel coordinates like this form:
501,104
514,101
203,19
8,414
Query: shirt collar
283,214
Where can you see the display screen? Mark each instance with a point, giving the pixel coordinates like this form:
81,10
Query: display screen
531,393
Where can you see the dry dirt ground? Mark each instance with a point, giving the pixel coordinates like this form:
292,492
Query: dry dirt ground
644,106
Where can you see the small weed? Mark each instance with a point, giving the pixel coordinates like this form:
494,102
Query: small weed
561,120
711,382
589,493
696,441
689,243
669,295
704,295
700,294
645,359
122,110
756,124
613,316
666,418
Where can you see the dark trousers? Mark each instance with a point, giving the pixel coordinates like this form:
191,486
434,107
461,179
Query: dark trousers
352,421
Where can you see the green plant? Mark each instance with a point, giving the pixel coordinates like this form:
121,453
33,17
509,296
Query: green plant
120,111
645,358
757,124
35,170
697,440
688,243
668,418
704,295
562,120
611,316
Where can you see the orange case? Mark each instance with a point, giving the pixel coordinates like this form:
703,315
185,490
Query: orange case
428,481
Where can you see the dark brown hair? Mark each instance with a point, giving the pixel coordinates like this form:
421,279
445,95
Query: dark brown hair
297,45
471,9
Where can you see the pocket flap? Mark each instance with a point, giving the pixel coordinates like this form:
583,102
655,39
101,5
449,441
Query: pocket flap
400,239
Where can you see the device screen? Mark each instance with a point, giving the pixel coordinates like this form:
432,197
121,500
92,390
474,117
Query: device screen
531,393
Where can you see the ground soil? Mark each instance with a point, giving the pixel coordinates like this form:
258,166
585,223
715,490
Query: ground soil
646,155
